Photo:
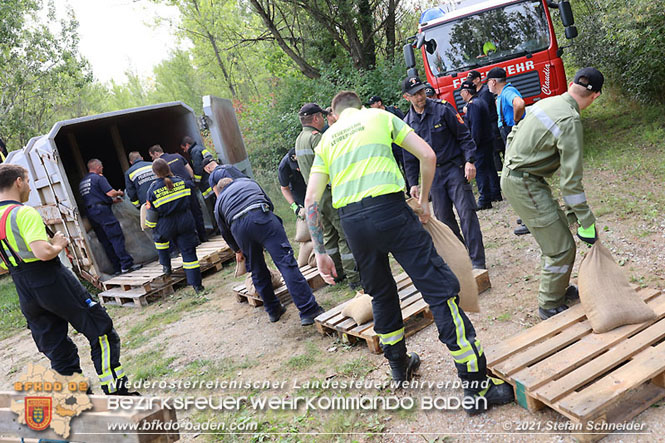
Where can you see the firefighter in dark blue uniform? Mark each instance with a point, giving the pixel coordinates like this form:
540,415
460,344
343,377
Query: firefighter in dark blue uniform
291,182
51,297
171,221
245,218
98,196
489,98
197,154
181,168
444,130
478,120
138,179
217,172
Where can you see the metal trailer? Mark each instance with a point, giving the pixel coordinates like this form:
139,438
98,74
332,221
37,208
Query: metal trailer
57,162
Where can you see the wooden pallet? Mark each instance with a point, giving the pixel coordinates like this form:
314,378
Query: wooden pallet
311,274
143,286
482,279
92,424
589,378
415,313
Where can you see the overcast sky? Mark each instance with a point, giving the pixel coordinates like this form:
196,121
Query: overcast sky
117,35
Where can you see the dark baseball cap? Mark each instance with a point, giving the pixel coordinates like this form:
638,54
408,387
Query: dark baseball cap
411,85
374,99
468,84
472,75
496,73
311,109
590,78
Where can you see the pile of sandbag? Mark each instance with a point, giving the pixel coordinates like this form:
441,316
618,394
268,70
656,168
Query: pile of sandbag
454,253
306,254
605,294
275,278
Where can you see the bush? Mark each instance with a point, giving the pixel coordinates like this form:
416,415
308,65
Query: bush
626,40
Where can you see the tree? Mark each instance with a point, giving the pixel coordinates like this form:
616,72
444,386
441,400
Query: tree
42,71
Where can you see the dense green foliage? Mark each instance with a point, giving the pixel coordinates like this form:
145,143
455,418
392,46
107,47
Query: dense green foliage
625,39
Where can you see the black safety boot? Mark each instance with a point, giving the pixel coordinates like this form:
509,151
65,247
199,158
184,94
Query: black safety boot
402,369
166,270
497,392
307,320
482,206
274,317
199,289
572,293
521,230
547,313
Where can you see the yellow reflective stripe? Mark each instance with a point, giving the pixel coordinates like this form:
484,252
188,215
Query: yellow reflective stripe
197,177
206,152
106,361
490,382
164,245
190,264
140,170
135,202
170,197
207,192
392,338
119,372
460,334
150,224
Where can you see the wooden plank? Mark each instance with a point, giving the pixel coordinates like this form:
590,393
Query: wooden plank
542,331
482,277
646,365
581,352
557,389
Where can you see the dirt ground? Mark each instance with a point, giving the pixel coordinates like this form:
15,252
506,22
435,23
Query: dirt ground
218,337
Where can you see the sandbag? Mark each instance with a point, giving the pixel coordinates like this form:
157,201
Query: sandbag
605,294
312,258
454,253
275,277
302,231
241,268
304,253
143,216
359,308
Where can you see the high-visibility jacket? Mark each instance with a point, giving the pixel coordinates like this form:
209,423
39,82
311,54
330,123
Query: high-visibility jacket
23,225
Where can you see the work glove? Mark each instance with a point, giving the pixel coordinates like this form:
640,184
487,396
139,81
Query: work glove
298,210
588,235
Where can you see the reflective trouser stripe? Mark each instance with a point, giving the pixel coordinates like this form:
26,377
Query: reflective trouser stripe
190,264
392,338
150,224
557,269
575,199
490,382
164,245
119,372
460,333
106,364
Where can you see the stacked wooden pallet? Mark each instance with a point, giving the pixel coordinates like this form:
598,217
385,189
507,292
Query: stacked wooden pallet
590,378
311,274
93,425
139,288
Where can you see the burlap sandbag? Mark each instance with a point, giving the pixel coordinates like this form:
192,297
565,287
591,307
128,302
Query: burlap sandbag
142,217
312,258
454,253
302,231
606,296
275,277
241,268
359,309
304,253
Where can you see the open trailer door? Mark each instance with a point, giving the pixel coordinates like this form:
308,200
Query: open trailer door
225,133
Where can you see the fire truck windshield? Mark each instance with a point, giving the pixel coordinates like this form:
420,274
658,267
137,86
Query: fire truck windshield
488,37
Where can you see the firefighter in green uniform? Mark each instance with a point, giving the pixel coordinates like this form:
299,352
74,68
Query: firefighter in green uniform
311,118
548,139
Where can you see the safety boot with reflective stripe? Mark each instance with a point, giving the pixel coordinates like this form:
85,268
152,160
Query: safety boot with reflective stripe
497,392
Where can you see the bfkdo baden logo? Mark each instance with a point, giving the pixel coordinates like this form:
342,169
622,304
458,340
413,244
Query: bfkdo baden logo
38,412
51,400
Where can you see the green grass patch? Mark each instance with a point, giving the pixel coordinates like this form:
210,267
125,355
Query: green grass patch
356,368
306,360
150,365
225,368
11,317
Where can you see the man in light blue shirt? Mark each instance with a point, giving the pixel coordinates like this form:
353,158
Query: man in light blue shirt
510,106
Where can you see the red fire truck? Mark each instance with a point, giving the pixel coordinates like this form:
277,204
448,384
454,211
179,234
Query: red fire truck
516,35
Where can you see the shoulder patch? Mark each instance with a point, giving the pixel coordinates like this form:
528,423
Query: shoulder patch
459,118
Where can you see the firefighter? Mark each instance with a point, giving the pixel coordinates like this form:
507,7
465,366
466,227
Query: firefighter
50,296
480,126
197,154
138,179
311,119
369,196
171,220
244,215
291,183
443,129
98,196
485,94
216,172
550,139
182,169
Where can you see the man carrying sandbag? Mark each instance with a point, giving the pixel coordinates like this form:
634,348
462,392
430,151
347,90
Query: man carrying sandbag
549,138
355,156
245,218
